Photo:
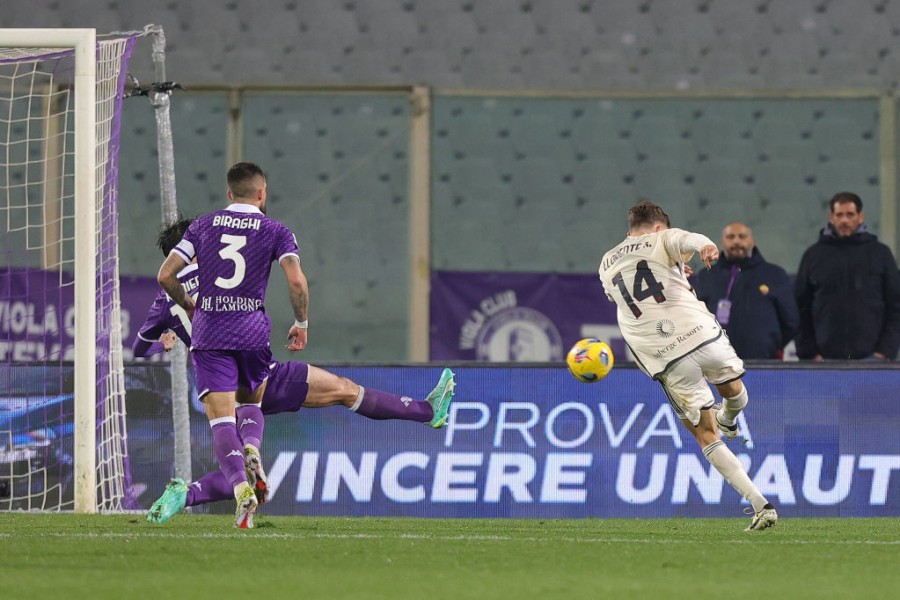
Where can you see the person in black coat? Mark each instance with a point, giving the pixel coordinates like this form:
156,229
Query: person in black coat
750,297
848,290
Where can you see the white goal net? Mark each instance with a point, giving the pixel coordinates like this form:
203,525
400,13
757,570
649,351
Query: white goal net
62,396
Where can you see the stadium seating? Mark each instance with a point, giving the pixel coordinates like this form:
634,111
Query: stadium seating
506,167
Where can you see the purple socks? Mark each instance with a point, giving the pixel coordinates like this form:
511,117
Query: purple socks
209,488
379,405
229,438
250,424
228,449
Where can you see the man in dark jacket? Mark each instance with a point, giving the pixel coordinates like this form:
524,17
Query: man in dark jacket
848,290
750,297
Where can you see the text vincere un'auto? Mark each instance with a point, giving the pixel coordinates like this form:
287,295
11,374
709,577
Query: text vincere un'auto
512,451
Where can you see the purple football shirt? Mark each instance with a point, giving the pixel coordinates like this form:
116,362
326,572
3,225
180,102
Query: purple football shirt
165,315
236,247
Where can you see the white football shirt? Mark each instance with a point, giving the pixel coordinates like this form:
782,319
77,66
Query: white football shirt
659,314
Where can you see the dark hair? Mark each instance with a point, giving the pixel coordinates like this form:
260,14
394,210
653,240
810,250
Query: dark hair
241,179
170,235
646,213
842,197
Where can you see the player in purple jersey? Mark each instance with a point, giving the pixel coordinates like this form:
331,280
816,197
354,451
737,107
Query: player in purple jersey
290,386
230,340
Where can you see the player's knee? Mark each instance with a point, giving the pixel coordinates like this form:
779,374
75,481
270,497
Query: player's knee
347,391
730,389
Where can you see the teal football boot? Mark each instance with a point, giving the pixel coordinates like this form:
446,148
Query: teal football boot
170,503
440,398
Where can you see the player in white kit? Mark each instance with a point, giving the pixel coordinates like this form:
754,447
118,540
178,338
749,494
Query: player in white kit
677,341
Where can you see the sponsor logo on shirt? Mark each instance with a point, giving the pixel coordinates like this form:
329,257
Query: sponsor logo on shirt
230,304
660,352
665,328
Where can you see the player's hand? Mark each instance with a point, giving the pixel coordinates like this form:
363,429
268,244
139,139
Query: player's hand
296,339
688,270
709,255
168,340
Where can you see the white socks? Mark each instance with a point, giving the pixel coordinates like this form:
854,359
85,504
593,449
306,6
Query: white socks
732,407
726,463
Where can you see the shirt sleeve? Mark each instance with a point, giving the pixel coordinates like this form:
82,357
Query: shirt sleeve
681,245
606,290
154,326
286,245
186,248
160,319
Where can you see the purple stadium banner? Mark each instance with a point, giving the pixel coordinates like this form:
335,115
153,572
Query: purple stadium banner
517,317
37,313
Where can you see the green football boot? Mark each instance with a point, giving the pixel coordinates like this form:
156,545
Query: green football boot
170,503
440,398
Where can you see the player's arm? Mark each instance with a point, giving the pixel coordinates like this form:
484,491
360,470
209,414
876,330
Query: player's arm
168,280
298,292
146,341
681,245
144,347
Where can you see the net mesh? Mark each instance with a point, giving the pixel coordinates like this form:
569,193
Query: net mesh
37,209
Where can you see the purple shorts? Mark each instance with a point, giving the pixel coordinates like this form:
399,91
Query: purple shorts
287,387
228,370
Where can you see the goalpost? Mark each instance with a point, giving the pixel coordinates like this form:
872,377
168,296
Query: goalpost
60,108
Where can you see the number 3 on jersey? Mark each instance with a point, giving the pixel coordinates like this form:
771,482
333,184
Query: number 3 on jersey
231,251
643,276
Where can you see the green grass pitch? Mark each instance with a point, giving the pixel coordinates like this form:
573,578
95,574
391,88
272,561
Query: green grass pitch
201,556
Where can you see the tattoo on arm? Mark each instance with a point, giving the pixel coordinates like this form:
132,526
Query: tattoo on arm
178,295
168,279
299,294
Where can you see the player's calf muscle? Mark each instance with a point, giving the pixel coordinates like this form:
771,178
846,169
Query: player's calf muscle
328,389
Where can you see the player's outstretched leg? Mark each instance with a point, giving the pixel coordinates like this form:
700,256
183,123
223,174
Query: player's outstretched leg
440,398
256,475
170,503
328,389
212,487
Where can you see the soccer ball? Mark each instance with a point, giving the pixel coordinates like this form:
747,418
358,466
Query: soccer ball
590,360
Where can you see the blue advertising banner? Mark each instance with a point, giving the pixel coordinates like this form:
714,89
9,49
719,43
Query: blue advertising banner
517,317
533,442
522,442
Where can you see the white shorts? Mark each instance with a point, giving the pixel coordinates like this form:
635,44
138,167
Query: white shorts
685,382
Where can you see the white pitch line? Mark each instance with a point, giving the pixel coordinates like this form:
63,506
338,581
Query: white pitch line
447,538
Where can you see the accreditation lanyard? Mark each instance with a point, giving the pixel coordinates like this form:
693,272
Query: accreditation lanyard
723,309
